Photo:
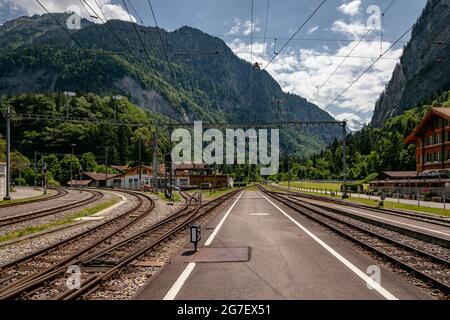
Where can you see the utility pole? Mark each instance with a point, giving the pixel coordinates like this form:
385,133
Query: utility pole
140,165
344,160
8,153
81,175
106,166
72,145
155,159
35,170
45,176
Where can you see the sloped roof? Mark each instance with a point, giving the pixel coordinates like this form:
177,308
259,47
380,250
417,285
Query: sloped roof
400,174
98,176
78,182
440,111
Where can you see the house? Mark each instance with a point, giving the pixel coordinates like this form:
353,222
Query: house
2,179
135,178
98,179
432,140
189,176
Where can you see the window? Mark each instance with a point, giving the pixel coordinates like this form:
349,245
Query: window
429,140
144,171
437,156
130,181
184,181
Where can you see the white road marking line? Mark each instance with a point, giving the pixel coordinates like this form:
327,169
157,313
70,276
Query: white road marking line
259,214
385,293
404,223
178,285
213,235
172,293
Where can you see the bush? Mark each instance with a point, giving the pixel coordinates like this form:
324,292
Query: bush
20,182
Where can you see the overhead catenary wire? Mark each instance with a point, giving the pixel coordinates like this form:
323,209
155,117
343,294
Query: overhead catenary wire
299,39
265,30
285,45
92,18
349,54
59,23
367,69
161,39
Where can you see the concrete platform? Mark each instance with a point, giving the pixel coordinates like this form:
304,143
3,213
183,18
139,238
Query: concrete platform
289,258
25,192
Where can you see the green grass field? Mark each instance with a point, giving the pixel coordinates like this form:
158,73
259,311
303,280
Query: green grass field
176,197
333,186
68,219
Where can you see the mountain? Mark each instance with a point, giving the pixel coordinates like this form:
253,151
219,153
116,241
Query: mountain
203,79
424,69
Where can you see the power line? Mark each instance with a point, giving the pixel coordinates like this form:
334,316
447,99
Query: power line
105,22
367,69
265,30
56,20
351,51
288,41
299,39
92,18
161,39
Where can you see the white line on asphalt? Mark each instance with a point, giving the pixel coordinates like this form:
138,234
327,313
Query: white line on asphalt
172,293
178,285
385,293
212,236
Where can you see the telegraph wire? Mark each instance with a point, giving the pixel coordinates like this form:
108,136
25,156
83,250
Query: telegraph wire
265,30
348,55
161,39
59,23
288,41
367,69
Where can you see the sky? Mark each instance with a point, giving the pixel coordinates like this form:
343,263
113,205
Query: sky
314,64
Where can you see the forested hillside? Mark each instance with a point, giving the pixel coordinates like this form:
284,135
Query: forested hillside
203,79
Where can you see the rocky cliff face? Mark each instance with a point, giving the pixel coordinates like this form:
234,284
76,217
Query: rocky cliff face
424,69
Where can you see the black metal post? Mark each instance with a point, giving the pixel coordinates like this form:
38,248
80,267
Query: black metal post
344,160
8,153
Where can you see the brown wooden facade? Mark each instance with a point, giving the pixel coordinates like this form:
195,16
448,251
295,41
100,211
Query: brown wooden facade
432,140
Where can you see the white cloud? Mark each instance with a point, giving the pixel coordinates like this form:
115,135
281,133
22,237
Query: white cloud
30,7
302,71
313,29
355,29
352,8
244,26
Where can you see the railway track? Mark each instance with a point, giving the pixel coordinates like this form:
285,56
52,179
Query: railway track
99,265
438,220
23,270
59,193
9,220
191,198
409,254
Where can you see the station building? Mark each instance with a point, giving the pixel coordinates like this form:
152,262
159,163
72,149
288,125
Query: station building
432,141
432,176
